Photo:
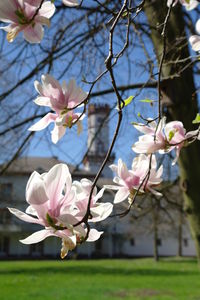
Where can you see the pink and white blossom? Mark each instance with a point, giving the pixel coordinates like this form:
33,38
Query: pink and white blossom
52,204
195,39
26,16
99,211
62,100
164,138
189,4
142,176
70,3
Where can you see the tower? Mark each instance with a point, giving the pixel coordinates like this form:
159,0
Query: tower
98,139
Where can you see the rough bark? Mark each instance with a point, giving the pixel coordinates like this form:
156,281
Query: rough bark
179,101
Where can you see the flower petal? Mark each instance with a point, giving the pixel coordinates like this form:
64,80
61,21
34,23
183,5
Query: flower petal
94,235
34,34
43,101
47,10
24,217
37,237
121,195
55,181
101,212
44,122
70,2
57,133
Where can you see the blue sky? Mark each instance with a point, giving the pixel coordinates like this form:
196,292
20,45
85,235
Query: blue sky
72,147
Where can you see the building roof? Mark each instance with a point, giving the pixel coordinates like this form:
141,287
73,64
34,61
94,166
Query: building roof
26,165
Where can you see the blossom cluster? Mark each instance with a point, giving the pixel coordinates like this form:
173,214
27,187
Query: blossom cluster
142,177
163,137
189,5
61,99
58,204
28,16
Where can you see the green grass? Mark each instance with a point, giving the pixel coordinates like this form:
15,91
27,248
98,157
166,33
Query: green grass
136,279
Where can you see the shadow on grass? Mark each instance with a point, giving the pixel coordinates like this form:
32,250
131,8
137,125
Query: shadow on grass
94,270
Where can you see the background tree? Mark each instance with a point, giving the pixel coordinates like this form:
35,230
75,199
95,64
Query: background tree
116,49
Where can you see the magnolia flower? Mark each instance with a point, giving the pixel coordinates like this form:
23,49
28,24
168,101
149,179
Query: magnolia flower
129,181
164,139
70,2
26,16
189,4
195,39
51,200
99,211
149,143
61,99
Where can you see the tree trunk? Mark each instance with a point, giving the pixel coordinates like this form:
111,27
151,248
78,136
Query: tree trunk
155,230
180,233
179,100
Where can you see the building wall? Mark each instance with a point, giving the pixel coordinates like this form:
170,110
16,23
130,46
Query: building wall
122,237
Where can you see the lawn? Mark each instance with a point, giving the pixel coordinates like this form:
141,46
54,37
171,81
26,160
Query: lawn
136,279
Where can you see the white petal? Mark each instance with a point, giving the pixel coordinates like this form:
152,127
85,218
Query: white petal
37,237
121,195
31,211
56,180
24,217
112,187
94,235
70,2
57,133
43,101
99,195
198,26
195,42
44,122
47,10
101,212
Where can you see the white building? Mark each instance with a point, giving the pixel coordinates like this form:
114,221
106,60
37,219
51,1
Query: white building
122,237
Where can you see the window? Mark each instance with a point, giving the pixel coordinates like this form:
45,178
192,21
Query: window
132,242
98,245
37,249
5,216
4,244
185,242
5,191
159,242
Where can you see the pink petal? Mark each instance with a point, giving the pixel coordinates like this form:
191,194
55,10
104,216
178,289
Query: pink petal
144,129
122,170
49,80
55,181
24,217
7,11
34,34
35,190
44,122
